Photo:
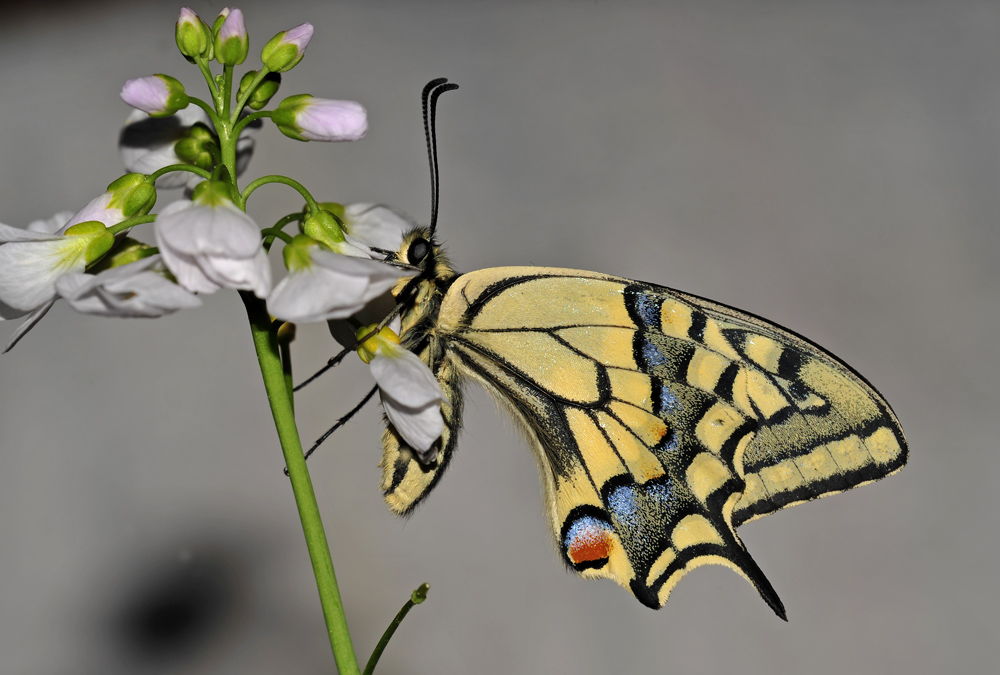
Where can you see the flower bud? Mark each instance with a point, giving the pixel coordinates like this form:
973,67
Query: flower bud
286,49
296,252
231,41
193,36
267,88
132,193
306,118
157,95
126,251
324,227
100,242
198,147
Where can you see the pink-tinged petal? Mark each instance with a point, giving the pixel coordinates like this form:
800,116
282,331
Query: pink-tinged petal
419,427
299,36
332,121
98,209
28,324
234,26
403,376
148,94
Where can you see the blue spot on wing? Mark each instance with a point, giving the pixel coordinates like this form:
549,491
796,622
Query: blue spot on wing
669,404
648,309
630,504
623,505
652,354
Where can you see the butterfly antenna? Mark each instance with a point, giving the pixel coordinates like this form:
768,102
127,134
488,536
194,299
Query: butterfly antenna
341,422
432,91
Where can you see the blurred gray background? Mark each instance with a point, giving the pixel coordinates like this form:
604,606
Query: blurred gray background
831,166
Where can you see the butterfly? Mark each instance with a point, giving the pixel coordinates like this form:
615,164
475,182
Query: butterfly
661,421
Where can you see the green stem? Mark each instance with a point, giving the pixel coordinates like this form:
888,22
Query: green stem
209,110
180,167
284,180
240,125
417,597
206,72
130,223
279,396
242,101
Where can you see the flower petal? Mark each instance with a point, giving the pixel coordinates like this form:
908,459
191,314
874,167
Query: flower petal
377,224
28,324
197,229
404,377
131,290
316,294
29,269
419,427
9,234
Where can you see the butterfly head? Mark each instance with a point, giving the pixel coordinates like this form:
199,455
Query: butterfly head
420,295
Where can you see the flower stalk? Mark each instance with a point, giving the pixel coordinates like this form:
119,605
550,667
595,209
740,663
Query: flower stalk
279,396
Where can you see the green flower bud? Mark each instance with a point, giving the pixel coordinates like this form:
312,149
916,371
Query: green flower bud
231,41
286,49
132,193
336,209
100,240
267,88
198,147
212,193
296,252
126,251
193,36
324,228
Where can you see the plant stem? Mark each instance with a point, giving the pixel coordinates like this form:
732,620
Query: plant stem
279,396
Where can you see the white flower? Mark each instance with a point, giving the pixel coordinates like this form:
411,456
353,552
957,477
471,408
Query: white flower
323,284
376,224
306,118
32,261
147,144
132,290
410,393
208,243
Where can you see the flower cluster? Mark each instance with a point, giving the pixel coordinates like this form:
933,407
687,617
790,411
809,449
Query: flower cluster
205,241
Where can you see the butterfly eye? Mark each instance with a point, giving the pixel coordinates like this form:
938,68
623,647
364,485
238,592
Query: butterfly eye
418,251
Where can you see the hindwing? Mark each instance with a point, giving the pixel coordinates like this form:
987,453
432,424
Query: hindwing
660,420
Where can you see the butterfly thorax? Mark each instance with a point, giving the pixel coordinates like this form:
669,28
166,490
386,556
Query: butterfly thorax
421,296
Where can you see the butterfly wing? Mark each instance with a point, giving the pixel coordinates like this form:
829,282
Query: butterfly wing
660,420
405,479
